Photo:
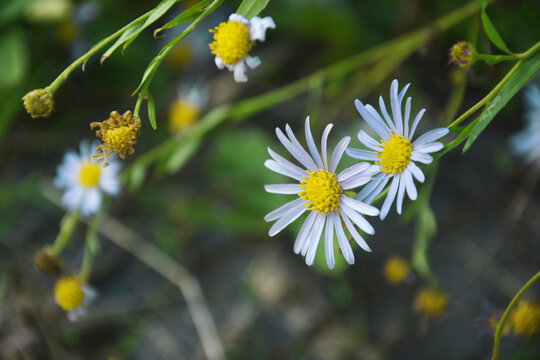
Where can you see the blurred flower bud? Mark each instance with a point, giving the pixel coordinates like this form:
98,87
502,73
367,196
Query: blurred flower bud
396,269
38,103
431,302
462,54
48,261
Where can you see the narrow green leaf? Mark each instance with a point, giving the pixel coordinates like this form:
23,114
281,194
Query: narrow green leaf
251,8
182,155
151,110
493,34
188,15
135,28
514,84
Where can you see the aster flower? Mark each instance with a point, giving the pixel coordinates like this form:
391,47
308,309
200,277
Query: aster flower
320,192
526,143
74,296
188,107
395,153
233,41
85,180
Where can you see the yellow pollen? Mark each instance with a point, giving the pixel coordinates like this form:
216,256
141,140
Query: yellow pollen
231,41
431,302
395,155
68,292
396,269
322,190
89,174
182,114
525,318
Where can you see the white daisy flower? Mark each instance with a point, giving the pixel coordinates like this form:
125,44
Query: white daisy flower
188,106
233,41
84,180
74,296
395,153
526,143
320,191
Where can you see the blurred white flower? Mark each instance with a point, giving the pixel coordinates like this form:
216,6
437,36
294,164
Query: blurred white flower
84,180
233,41
74,296
320,191
394,154
188,106
526,143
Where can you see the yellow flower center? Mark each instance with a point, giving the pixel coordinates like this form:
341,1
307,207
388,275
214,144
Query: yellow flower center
395,155
525,318
68,292
322,190
182,114
89,174
431,302
396,269
119,139
231,41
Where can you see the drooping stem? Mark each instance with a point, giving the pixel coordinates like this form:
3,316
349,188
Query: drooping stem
500,325
67,227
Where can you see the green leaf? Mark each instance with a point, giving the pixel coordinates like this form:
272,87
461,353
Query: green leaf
251,8
493,34
514,84
188,15
151,110
181,155
13,58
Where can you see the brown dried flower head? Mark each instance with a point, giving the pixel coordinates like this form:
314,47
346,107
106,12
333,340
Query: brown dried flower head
119,134
48,261
38,103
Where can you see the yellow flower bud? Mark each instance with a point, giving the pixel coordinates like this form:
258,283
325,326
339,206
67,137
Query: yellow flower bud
38,103
461,54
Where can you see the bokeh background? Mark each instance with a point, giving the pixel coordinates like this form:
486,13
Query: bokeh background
208,215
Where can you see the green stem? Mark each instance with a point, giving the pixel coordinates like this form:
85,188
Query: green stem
67,227
500,326
88,260
64,75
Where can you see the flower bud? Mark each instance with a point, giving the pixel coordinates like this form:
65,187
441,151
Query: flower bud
462,54
48,261
38,103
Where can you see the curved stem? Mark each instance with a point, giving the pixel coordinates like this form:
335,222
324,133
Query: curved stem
500,326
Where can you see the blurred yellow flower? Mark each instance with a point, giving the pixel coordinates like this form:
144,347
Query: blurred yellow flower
431,302
68,292
396,269
525,318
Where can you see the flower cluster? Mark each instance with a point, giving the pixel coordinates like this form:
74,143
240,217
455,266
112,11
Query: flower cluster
320,189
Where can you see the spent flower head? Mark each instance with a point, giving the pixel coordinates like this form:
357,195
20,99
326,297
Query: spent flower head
48,261
85,181
119,134
461,54
73,295
233,41
396,269
395,154
320,192
38,103
430,301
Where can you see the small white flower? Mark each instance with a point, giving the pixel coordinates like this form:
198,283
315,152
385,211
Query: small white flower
395,153
320,192
526,143
233,41
84,180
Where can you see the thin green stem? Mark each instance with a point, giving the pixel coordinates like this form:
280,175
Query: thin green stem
88,260
500,325
67,227
533,50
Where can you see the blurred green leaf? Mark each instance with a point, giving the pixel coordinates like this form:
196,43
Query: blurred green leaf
251,8
13,58
151,110
493,34
188,15
181,155
514,84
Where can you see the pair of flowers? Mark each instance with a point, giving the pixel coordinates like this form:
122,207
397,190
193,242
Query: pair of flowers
321,190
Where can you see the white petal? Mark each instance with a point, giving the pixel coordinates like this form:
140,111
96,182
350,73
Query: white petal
380,128
355,181
421,157
73,197
417,173
338,153
359,206
407,115
415,123
315,238
259,26
311,145
409,183
400,193
304,231
361,154
324,142
286,163
287,218
358,219
283,188
368,141
395,104
329,243
283,169
283,209
375,115
376,191
344,245
240,18
352,170
387,117
367,190
91,202
240,71
219,63
390,197
308,243
297,151
402,92
429,147
430,136
356,236
253,61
